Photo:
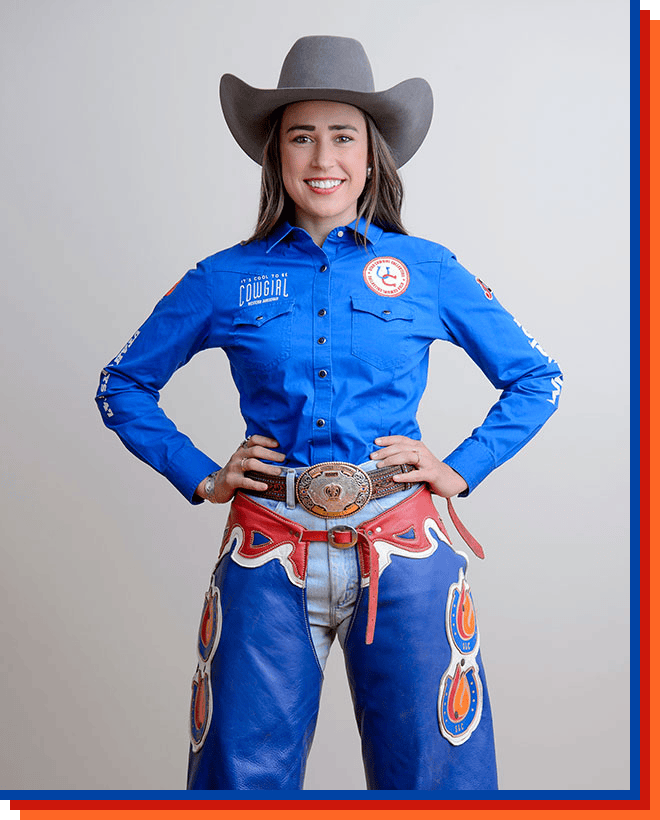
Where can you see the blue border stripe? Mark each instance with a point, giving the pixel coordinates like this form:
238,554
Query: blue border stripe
320,795
634,385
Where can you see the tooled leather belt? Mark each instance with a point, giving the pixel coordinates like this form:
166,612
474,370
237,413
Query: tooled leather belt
333,489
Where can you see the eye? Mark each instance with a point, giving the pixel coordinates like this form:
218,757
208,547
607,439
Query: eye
301,139
343,138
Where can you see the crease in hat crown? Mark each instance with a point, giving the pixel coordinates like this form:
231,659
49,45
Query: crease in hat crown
307,63
324,67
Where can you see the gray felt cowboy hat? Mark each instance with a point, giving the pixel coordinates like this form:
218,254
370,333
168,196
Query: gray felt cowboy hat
336,69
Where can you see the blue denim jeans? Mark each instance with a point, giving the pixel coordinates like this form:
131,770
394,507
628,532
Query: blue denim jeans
333,575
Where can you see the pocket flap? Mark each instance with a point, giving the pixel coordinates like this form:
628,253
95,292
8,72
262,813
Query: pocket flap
257,315
383,307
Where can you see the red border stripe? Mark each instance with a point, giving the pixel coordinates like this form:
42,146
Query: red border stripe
315,805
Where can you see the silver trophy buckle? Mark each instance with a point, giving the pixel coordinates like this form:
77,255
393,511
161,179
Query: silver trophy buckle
333,489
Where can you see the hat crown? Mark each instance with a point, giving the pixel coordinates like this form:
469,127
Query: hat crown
327,62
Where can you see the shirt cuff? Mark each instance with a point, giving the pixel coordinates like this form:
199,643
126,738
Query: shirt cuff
187,469
473,462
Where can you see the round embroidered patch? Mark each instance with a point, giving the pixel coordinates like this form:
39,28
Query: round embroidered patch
386,276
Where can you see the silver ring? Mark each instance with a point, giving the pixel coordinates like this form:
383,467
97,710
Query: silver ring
244,443
243,460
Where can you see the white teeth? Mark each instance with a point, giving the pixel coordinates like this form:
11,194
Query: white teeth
323,183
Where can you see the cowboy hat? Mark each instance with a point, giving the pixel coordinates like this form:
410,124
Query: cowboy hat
335,69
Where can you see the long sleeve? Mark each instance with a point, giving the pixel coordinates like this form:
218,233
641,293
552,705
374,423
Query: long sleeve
128,393
512,360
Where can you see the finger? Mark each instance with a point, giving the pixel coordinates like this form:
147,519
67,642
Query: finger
400,458
413,477
264,452
262,441
395,450
250,484
246,464
385,440
392,450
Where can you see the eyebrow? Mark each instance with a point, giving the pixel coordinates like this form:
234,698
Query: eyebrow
330,128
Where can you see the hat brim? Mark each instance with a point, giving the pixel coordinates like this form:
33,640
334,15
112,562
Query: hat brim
402,113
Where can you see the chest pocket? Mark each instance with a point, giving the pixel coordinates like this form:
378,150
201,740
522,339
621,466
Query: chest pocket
381,330
261,336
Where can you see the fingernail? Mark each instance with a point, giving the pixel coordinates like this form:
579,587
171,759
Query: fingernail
378,441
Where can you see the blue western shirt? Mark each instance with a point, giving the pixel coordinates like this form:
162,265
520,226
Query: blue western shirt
328,348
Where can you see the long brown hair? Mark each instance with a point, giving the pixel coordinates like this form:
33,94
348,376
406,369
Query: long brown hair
380,201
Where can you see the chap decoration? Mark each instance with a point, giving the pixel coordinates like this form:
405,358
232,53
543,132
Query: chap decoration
460,699
201,701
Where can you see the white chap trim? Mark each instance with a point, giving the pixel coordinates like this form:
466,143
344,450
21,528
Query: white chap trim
235,539
386,549
281,553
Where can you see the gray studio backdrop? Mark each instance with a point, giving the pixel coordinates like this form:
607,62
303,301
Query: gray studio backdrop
118,174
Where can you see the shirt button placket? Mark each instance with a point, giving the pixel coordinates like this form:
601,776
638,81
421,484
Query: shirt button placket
321,427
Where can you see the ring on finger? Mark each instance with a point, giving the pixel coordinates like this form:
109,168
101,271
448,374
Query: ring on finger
245,443
243,460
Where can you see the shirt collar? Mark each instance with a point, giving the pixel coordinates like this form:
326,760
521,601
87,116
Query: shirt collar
372,235
277,235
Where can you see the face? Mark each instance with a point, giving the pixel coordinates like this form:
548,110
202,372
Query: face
324,151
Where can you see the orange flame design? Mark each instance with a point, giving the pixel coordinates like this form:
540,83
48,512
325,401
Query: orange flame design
206,629
465,615
200,702
458,702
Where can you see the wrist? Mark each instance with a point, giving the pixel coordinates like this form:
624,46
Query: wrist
206,488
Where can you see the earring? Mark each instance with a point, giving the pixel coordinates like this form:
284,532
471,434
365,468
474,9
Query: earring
369,170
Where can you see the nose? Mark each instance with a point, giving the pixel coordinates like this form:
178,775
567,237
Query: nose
323,155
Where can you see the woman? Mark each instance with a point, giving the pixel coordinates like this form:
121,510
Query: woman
326,314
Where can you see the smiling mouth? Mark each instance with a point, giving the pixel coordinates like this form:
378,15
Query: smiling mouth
324,184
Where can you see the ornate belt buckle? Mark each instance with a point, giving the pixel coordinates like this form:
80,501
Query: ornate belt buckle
333,489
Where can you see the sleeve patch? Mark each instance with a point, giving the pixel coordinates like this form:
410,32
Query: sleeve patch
172,288
487,291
